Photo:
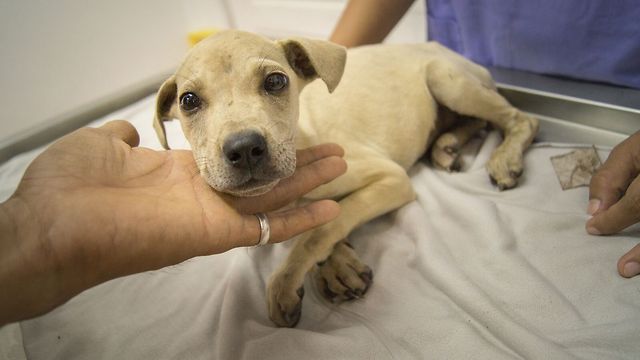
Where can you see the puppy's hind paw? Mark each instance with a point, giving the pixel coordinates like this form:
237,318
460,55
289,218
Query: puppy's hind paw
504,171
445,152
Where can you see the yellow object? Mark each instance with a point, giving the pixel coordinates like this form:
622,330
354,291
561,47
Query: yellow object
193,37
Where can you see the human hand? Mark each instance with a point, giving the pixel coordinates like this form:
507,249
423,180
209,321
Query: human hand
93,207
614,198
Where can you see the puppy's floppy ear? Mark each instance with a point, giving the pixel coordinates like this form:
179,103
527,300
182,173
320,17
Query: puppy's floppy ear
316,58
165,103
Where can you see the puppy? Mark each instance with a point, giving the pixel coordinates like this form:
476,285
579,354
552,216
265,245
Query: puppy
246,103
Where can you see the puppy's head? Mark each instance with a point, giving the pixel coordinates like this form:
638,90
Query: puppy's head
236,96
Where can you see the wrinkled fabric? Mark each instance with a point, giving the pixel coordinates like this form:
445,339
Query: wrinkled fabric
597,40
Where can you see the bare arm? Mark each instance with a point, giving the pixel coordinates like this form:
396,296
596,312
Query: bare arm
368,21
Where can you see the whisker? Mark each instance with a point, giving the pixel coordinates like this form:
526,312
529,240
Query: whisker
264,57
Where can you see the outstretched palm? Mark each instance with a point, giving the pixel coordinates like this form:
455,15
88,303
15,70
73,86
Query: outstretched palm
100,207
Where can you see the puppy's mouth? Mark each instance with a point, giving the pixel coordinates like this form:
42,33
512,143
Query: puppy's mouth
253,187
244,183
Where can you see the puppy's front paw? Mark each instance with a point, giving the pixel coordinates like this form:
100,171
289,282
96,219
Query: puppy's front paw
284,301
343,276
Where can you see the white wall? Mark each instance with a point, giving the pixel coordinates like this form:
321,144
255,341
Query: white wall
59,55
314,18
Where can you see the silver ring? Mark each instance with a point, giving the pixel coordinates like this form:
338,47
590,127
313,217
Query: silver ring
265,229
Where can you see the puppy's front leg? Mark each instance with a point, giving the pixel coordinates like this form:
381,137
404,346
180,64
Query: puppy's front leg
385,186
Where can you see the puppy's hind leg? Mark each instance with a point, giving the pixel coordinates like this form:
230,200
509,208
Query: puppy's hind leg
464,93
445,151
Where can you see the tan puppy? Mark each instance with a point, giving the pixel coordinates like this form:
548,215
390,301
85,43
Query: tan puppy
241,105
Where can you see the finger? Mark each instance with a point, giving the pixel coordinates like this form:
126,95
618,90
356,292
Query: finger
620,215
301,182
629,263
283,224
315,153
123,130
612,179
289,223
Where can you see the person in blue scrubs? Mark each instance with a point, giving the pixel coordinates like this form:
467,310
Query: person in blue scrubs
593,40
587,40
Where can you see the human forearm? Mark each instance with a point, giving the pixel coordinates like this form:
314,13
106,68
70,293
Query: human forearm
93,207
368,21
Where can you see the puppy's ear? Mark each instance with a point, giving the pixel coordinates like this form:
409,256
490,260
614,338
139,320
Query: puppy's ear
165,103
316,58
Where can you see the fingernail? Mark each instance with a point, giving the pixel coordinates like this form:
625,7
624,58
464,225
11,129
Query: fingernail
594,205
593,231
631,269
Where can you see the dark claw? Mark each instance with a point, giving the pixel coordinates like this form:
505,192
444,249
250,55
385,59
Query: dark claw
515,174
455,166
507,187
349,294
293,318
367,277
327,292
493,181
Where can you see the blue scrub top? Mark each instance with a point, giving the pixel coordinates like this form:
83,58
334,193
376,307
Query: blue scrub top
597,40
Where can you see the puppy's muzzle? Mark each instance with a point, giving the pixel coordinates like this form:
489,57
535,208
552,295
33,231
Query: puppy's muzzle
245,150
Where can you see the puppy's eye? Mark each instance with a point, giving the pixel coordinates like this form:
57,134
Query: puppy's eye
189,101
275,82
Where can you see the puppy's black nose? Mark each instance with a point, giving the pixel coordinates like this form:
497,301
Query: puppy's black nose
245,149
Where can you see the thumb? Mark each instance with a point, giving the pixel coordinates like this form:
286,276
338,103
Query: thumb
620,215
629,263
123,130
612,179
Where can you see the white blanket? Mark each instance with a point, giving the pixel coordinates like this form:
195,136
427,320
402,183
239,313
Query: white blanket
463,272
